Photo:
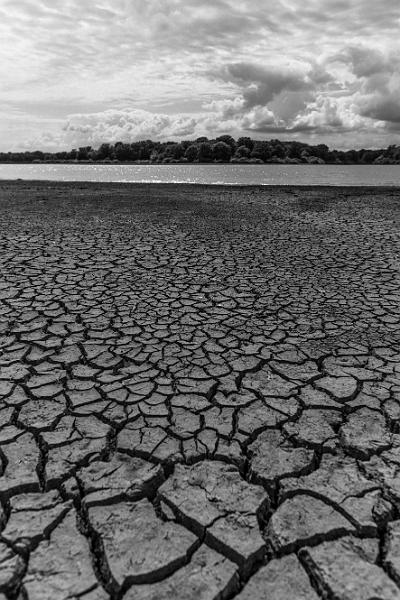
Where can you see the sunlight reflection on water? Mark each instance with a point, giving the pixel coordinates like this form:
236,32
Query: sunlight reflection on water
370,175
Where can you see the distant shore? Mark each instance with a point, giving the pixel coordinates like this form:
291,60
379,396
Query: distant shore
224,149
202,164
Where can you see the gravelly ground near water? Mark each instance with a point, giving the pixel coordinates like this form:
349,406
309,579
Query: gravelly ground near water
200,392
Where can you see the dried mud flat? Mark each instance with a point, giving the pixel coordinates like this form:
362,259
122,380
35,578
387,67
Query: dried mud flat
200,392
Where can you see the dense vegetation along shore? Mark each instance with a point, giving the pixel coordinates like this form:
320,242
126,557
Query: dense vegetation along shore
223,149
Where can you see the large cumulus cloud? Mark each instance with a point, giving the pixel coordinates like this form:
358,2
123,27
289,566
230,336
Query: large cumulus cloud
376,83
82,70
261,84
126,126
313,98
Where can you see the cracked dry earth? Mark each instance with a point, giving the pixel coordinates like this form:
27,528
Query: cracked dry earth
200,393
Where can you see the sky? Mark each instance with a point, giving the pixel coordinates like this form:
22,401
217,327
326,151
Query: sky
83,72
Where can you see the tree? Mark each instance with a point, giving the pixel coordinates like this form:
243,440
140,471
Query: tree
122,151
175,151
367,157
227,139
135,151
261,150
192,153
146,148
104,152
295,149
242,152
351,156
205,152
221,149
278,150
246,141
321,151
221,152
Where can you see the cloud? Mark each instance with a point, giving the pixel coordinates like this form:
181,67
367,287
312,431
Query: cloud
312,98
261,119
126,125
168,68
364,61
381,108
329,115
377,82
260,84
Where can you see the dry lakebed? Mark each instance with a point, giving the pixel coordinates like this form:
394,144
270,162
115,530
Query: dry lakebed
199,392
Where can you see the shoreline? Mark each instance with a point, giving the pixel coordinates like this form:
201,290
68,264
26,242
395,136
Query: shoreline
201,164
212,186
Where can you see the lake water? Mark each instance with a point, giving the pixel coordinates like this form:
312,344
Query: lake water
370,175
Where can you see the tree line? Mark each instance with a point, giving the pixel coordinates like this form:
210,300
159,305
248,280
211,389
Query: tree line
223,149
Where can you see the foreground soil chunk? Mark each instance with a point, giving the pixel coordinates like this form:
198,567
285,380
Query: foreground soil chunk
273,458
392,551
61,568
33,517
72,442
212,499
12,568
341,388
382,470
345,570
340,482
138,546
21,457
207,576
365,433
281,579
305,520
123,477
